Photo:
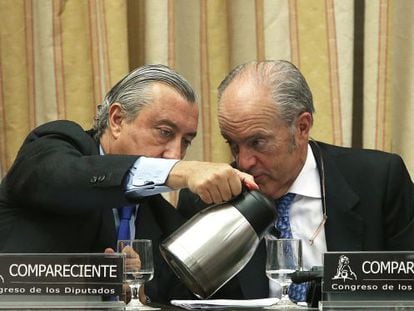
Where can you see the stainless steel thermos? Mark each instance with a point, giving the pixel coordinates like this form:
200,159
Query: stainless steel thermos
216,243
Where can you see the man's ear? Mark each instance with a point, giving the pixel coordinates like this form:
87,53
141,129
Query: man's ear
304,123
115,117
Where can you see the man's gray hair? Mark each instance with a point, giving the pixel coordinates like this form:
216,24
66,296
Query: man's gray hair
133,93
290,91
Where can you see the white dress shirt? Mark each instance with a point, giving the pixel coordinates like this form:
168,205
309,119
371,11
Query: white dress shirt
305,216
306,212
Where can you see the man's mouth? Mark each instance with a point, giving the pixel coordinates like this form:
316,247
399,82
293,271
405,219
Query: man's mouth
258,177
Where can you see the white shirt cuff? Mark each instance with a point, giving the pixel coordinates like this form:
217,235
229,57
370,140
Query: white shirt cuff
147,176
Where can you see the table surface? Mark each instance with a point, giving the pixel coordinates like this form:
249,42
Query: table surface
26,304
30,303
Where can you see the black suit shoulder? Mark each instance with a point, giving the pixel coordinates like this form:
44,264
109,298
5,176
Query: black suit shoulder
67,131
366,165
377,188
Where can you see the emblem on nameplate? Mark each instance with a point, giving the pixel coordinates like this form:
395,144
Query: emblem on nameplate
344,270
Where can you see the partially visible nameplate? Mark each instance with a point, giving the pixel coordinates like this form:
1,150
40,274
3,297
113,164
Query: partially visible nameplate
363,273
61,274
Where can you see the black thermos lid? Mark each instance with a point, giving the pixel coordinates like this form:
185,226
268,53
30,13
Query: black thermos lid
257,209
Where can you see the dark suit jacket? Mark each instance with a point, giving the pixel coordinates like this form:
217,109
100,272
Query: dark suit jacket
59,194
370,207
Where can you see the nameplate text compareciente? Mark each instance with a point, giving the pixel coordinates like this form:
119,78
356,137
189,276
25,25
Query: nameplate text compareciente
61,274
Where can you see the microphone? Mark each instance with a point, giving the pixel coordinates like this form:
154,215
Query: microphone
315,273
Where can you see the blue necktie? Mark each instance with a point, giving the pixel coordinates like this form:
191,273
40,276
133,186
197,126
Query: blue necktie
125,214
297,292
283,224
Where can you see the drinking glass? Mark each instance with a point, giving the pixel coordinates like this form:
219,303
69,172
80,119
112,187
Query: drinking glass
284,256
139,268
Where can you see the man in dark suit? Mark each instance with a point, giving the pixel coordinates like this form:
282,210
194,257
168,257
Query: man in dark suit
345,199
64,189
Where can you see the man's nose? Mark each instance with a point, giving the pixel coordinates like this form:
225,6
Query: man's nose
173,150
245,159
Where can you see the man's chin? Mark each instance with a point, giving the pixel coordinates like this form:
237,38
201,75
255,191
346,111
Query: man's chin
263,189
268,190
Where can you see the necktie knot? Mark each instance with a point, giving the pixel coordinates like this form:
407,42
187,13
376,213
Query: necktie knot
125,214
284,202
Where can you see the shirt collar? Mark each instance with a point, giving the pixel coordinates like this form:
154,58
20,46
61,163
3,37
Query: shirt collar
308,181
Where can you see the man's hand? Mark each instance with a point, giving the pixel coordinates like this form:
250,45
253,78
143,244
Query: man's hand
133,263
213,182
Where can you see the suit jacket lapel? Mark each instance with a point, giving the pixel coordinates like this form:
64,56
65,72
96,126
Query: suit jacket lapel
107,236
157,218
148,228
344,227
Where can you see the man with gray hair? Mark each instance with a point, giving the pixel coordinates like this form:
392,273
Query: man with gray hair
68,189
344,199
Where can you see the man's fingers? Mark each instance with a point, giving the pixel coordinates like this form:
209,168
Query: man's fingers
213,182
235,185
216,195
247,180
226,191
133,264
219,192
132,260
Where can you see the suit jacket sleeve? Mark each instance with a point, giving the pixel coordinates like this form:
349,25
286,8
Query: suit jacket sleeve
59,169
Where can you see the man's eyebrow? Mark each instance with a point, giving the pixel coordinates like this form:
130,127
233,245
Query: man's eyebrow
167,122
244,139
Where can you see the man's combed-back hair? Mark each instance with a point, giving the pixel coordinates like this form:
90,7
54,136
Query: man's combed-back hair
133,92
290,91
